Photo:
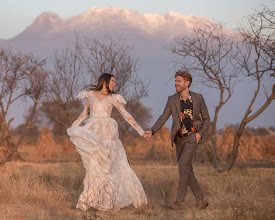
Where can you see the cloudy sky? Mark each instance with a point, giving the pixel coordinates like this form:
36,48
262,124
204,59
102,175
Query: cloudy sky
16,15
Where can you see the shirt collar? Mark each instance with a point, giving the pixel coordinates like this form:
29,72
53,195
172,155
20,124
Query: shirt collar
188,98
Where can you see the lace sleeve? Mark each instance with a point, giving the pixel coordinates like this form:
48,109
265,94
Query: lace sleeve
119,100
85,112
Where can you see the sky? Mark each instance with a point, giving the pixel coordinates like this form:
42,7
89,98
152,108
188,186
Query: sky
16,15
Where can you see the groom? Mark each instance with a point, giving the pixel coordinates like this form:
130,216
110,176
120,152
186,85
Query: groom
190,123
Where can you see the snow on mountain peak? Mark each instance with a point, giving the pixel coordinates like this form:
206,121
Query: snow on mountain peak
46,17
113,19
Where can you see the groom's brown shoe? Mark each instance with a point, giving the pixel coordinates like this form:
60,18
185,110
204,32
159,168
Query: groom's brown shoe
178,205
202,204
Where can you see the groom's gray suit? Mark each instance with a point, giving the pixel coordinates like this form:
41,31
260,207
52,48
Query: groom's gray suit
185,146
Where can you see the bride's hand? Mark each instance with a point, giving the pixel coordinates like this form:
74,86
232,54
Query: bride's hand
148,135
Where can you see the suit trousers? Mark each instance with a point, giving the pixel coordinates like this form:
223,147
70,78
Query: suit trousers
186,148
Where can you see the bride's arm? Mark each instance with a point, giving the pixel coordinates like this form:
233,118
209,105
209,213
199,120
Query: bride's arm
85,112
118,104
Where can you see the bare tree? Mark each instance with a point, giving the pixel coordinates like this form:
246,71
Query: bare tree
114,56
22,78
256,61
81,63
208,51
66,81
212,58
54,116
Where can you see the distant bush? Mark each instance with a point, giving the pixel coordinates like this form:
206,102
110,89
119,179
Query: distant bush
256,143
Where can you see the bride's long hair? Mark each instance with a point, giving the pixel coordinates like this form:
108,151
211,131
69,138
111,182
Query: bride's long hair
105,77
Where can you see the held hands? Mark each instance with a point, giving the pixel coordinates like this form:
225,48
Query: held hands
147,135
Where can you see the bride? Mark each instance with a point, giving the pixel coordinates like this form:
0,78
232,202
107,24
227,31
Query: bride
109,181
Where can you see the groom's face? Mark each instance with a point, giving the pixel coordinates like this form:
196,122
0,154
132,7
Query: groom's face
181,84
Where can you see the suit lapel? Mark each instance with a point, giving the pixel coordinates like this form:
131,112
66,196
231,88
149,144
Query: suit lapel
177,102
194,101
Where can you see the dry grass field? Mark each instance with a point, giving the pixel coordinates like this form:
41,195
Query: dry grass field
50,191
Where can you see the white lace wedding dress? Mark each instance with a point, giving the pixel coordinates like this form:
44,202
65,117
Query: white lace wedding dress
109,181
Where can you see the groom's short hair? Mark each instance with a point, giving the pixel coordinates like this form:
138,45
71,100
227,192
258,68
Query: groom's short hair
185,75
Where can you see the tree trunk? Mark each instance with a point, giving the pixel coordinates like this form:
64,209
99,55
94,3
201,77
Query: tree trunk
214,129
213,142
234,153
11,155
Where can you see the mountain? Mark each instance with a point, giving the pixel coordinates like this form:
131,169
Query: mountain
48,30
111,19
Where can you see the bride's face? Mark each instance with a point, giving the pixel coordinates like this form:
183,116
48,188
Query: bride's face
112,83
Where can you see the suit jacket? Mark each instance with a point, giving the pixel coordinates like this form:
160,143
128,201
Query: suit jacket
201,119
